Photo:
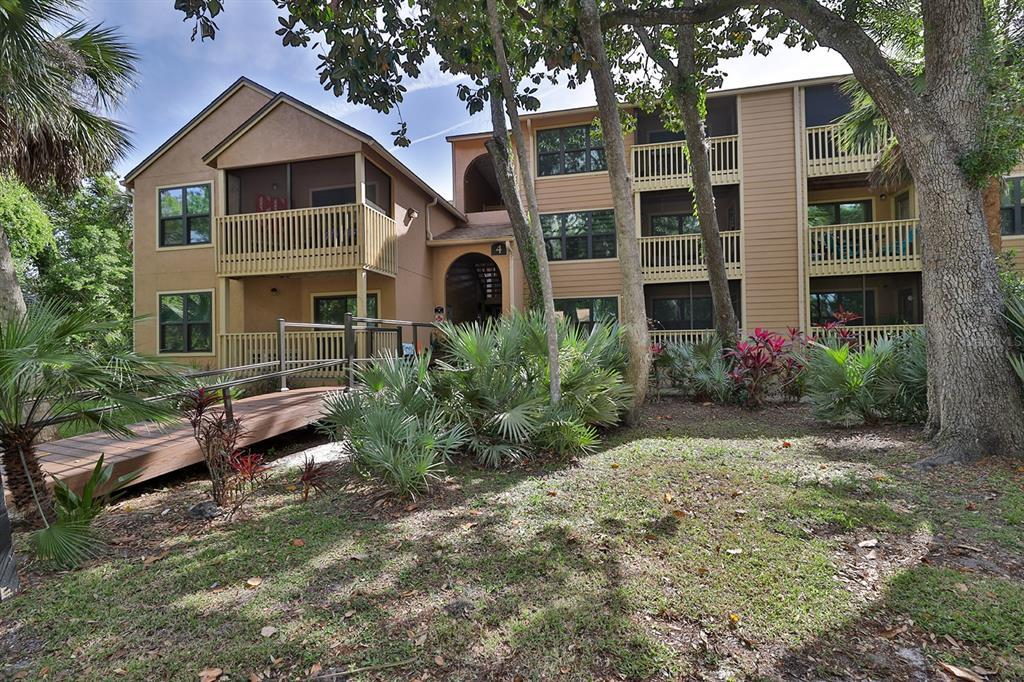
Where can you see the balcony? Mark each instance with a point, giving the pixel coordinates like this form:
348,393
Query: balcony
302,347
680,258
666,166
667,336
827,151
346,237
871,333
864,248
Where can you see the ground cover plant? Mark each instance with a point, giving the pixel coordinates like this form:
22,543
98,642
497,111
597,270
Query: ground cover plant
710,542
486,395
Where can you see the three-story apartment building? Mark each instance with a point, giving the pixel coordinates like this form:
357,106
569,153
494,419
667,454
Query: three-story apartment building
263,207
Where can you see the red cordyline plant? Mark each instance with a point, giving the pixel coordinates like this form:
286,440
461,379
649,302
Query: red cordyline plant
793,364
756,365
838,327
217,437
317,476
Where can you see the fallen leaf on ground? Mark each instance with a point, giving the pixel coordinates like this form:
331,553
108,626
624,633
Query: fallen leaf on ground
668,497
253,583
961,673
210,674
734,551
150,560
678,513
359,557
421,639
734,619
268,631
298,542
873,542
786,444
615,465
315,669
439,660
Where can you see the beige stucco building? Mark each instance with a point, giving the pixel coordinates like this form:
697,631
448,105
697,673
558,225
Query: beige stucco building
262,207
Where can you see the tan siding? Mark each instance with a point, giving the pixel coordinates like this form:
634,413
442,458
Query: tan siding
770,219
574,192
1015,243
570,279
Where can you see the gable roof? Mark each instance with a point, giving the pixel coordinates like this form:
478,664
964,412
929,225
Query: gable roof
283,98
242,82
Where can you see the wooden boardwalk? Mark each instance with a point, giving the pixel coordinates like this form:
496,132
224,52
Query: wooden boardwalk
158,450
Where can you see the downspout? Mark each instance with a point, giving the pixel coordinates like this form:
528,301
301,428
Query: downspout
426,211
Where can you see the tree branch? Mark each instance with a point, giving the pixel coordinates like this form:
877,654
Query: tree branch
709,10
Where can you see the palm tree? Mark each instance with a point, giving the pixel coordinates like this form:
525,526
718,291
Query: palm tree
58,78
54,89
49,376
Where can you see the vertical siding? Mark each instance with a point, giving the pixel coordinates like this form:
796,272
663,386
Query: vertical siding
770,218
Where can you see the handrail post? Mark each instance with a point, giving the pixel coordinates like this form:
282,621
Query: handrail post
282,363
229,410
398,344
350,343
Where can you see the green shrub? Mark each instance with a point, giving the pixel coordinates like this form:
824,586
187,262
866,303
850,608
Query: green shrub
699,369
493,378
395,430
885,380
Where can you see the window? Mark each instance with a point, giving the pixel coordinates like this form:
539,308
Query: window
579,149
1011,212
332,309
902,206
824,304
839,213
588,310
676,223
332,196
580,235
185,215
658,136
691,312
186,322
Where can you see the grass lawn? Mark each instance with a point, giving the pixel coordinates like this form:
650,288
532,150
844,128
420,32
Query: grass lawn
708,543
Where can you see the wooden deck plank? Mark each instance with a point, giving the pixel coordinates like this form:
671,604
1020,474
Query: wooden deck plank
158,450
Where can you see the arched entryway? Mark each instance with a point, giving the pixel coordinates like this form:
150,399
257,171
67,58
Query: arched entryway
480,188
472,288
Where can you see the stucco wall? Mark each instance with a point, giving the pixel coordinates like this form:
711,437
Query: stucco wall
180,268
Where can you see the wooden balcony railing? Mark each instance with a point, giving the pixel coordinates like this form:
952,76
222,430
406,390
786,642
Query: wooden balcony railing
864,248
306,240
870,333
666,166
667,336
828,154
301,347
680,258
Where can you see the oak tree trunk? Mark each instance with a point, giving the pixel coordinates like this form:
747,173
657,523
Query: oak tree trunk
687,97
634,312
534,237
12,303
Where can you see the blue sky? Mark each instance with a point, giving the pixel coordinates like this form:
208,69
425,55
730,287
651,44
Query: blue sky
179,77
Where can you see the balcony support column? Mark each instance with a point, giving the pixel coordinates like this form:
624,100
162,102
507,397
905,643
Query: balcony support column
360,162
223,307
361,282
636,213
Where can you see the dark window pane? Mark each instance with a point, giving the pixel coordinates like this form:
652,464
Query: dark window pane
575,162
549,141
199,307
332,196
549,164
1006,221
575,223
855,212
575,138
702,313
172,232
576,248
604,246
198,200
172,308
821,214
550,225
172,338
170,202
199,230
664,225
606,309
199,338
597,160
603,222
